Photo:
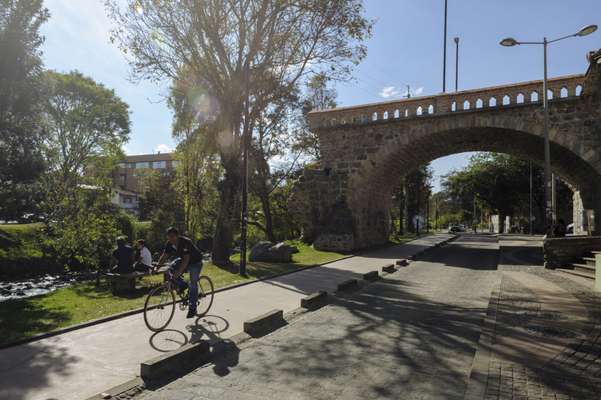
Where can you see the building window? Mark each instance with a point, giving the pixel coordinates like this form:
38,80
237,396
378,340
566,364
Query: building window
127,200
122,178
143,164
159,164
123,165
174,163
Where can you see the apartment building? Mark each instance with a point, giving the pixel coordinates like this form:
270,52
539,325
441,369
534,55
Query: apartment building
128,173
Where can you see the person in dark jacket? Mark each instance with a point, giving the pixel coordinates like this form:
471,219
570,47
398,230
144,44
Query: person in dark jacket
123,257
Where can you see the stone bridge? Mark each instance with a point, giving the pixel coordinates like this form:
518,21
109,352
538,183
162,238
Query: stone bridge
345,199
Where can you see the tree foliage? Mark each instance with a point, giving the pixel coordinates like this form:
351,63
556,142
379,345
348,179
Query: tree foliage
500,184
21,161
232,59
86,126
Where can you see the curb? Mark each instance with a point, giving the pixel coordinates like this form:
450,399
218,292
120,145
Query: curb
186,358
390,268
314,301
476,385
264,324
371,276
351,284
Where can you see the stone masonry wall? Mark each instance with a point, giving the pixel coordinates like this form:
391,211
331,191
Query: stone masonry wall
367,149
559,252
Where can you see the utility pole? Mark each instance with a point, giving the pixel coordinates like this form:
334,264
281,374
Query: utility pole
444,51
408,91
456,63
530,214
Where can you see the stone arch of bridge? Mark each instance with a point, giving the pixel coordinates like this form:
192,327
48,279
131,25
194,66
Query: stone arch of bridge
369,195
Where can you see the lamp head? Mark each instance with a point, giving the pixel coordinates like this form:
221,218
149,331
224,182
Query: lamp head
456,39
587,30
509,42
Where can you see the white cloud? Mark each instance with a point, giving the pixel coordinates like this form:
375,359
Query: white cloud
392,92
163,148
389,91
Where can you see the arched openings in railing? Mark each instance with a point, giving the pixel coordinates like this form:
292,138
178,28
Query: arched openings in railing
397,113
520,98
466,105
492,102
578,90
506,100
454,106
374,116
563,92
549,94
419,110
430,109
534,97
385,115
479,103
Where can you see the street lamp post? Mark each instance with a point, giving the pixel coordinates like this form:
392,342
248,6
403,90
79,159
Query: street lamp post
509,42
444,50
456,39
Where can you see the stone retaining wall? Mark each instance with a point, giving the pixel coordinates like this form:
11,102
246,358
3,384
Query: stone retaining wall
559,252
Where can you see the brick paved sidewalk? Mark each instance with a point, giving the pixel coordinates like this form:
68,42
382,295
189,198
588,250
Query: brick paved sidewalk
541,340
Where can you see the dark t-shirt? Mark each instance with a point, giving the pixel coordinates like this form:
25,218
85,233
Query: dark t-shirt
124,256
184,247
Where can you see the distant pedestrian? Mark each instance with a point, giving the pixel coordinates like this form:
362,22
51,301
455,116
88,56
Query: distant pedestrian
123,257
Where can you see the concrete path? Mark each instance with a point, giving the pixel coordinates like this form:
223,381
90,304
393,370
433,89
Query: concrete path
82,363
411,335
542,335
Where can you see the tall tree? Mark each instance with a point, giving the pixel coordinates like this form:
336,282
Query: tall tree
21,161
86,126
241,55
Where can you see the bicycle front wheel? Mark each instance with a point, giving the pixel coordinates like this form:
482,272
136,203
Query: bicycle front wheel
205,295
159,308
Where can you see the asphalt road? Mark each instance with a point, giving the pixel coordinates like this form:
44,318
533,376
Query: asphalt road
412,335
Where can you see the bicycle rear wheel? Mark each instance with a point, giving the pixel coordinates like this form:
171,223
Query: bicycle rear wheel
205,295
159,307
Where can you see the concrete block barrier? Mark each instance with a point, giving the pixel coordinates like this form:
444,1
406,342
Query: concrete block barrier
351,284
314,300
176,362
389,268
264,324
402,262
371,276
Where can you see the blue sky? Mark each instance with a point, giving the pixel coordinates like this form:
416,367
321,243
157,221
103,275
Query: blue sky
406,49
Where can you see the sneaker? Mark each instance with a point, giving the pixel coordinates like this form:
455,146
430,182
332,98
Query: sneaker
191,313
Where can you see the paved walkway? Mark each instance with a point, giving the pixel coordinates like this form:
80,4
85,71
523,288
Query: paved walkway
411,335
542,335
79,364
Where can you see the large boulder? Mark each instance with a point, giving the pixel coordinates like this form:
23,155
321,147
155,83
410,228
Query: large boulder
267,251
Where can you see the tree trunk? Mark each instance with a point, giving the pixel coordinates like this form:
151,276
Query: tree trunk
402,204
229,189
267,217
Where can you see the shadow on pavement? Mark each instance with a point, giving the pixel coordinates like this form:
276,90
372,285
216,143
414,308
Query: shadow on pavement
468,251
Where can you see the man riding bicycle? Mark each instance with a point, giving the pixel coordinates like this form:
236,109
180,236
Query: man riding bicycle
190,257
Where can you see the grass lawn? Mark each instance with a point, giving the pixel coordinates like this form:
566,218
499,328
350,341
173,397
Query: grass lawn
82,302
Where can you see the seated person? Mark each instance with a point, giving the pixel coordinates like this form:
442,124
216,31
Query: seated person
144,261
123,258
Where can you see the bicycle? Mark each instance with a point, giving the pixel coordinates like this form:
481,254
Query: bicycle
159,306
